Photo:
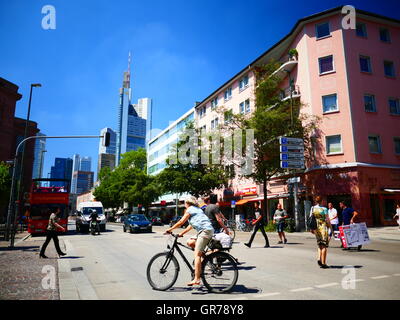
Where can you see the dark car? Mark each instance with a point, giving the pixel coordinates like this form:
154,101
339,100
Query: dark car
176,219
137,223
156,221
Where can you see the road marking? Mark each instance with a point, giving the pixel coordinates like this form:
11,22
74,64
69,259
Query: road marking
266,295
327,285
302,289
356,280
396,274
380,277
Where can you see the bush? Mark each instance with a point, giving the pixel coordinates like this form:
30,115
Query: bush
290,226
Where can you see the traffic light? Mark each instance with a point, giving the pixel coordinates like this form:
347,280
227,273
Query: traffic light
106,139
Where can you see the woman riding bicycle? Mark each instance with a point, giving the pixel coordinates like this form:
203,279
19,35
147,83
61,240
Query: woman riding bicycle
202,224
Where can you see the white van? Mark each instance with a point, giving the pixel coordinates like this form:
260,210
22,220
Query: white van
83,215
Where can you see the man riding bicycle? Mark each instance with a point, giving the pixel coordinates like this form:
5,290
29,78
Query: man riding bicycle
202,224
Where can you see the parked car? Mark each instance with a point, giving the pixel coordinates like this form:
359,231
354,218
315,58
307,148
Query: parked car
156,221
176,219
137,223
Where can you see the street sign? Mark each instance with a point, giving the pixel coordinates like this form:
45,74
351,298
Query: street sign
292,156
233,204
292,164
286,149
291,141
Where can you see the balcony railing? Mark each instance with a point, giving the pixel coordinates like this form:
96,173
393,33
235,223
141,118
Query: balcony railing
286,67
290,92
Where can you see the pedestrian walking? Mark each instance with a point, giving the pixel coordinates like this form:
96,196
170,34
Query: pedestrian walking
52,234
321,232
397,215
333,217
348,215
280,217
259,225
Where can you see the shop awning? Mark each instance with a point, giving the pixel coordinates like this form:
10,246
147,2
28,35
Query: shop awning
243,201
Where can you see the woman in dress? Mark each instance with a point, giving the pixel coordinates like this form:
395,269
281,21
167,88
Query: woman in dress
323,231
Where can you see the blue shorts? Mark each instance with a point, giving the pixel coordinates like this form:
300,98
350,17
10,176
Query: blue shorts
280,226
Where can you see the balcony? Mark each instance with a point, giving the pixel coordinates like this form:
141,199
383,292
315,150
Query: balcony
290,92
285,68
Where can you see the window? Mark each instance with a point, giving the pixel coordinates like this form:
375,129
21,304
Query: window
214,123
369,103
203,129
365,64
325,64
202,111
334,144
388,66
244,83
244,107
329,103
228,93
374,142
322,30
394,106
396,141
384,35
361,30
214,103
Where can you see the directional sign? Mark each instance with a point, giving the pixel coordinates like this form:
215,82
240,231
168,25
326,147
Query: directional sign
291,164
291,141
286,149
292,156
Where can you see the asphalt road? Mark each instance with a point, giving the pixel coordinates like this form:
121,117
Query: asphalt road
113,266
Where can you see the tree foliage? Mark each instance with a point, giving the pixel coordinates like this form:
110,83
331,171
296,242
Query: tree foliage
5,183
194,177
129,182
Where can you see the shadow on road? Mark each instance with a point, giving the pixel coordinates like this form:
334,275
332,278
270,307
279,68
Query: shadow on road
344,267
238,289
71,257
294,243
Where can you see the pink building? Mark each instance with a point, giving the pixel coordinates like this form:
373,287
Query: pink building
350,78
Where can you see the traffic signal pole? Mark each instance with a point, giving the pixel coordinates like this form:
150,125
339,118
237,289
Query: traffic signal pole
11,215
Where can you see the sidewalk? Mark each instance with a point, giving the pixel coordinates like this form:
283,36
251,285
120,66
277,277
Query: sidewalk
22,271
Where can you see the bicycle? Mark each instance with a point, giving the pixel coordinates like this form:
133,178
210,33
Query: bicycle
219,269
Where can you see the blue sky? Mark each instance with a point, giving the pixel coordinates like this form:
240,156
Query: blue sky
182,51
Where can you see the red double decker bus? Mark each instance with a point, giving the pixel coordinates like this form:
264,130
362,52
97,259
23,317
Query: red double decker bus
44,200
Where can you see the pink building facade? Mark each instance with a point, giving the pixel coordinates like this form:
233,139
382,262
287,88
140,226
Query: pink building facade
350,78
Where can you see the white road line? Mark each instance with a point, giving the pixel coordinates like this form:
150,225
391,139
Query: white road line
356,280
302,289
266,294
396,274
327,285
380,277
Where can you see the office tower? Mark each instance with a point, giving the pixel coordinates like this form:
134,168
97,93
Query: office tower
38,160
62,169
133,120
83,181
85,164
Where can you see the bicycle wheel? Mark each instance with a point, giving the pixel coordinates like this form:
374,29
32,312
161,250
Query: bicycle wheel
162,271
219,272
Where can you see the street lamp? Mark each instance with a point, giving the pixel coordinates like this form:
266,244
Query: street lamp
33,85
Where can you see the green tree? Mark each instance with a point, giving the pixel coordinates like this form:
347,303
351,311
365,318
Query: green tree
129,182
271,119
5,183
198,177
